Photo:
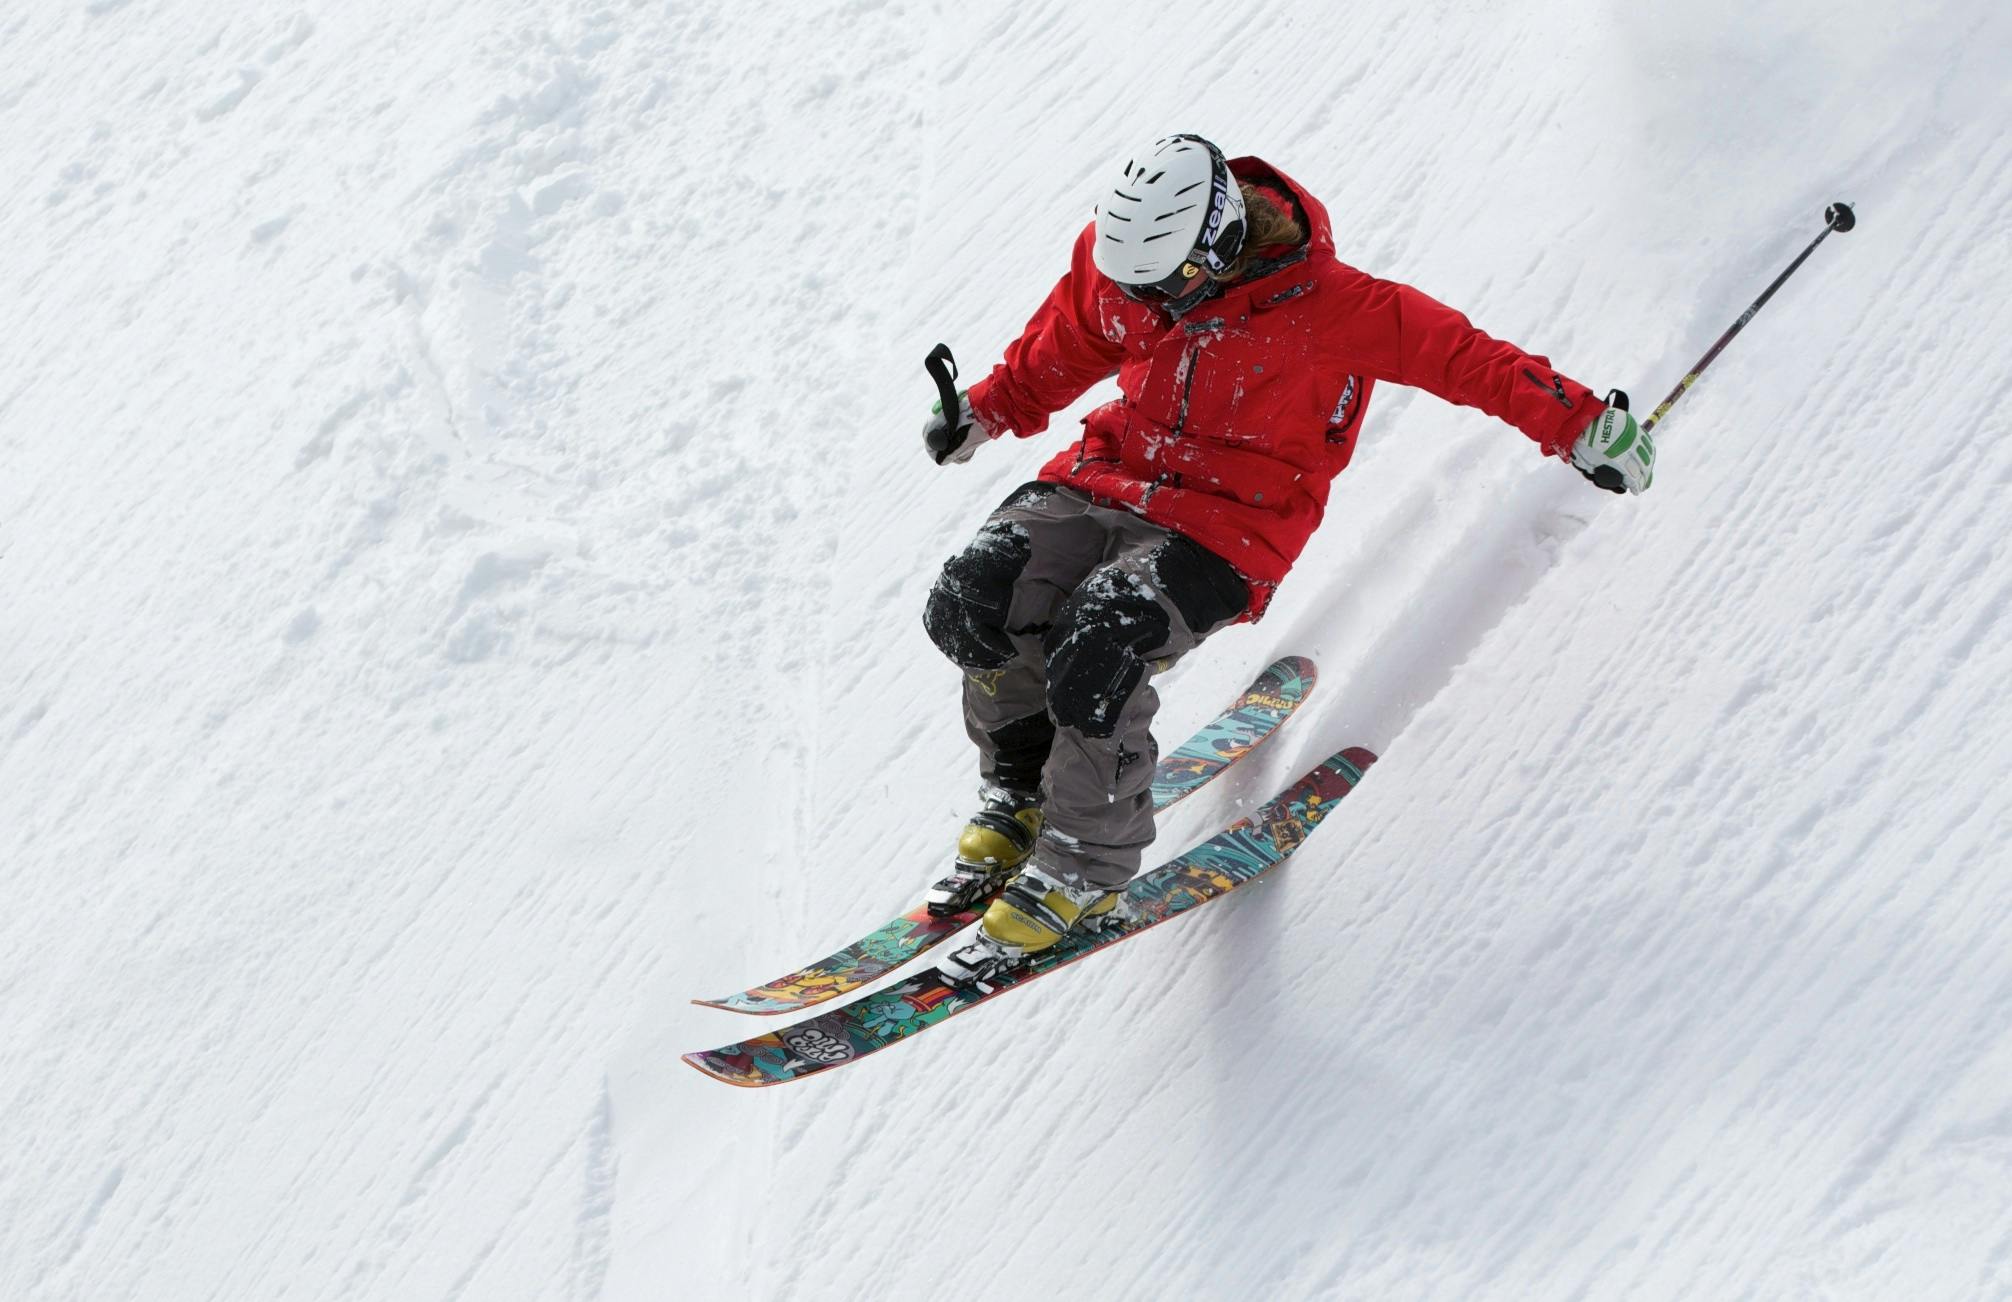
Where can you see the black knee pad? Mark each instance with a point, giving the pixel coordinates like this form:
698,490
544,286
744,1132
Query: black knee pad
966,613
1096,652
1204,587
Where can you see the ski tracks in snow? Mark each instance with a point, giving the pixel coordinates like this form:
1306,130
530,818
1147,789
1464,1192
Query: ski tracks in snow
1661,942
464,539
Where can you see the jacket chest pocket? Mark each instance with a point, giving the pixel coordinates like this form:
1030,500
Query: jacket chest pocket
1166,381
1250,386
1226,378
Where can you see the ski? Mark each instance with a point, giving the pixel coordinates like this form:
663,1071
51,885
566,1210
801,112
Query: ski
873,1022
1231,735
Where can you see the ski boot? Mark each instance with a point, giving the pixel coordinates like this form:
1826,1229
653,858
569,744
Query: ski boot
1034,913
994,844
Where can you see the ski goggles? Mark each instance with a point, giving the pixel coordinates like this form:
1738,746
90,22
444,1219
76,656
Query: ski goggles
1178,283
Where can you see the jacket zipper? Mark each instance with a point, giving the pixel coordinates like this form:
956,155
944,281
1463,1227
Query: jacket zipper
1180,419
1187,388
1193,356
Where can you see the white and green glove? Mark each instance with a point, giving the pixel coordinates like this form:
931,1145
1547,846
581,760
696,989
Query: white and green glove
953,441
1614,452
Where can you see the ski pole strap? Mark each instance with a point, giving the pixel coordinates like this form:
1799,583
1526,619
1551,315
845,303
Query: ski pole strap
944,439
1837,217
942,368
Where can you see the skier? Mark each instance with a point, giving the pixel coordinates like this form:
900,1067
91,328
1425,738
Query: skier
1246,354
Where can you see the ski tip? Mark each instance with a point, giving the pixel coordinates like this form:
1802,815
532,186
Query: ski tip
1299,667
1353,762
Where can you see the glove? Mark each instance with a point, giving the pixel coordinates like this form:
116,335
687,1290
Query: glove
956,442
1614,452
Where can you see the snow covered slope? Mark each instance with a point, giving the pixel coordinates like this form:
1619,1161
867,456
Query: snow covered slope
462,539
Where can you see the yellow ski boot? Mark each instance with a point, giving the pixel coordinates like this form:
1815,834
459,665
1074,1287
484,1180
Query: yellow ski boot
1037,910
994,844
1034,913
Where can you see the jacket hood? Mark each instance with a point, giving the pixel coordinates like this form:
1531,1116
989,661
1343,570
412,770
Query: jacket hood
1319,229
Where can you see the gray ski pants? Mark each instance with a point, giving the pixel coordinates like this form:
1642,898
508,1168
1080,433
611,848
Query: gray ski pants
1059,613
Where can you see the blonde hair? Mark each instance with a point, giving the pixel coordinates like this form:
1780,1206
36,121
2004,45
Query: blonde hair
1265,224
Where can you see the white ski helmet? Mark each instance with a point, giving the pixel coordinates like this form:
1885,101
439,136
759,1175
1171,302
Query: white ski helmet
1174,211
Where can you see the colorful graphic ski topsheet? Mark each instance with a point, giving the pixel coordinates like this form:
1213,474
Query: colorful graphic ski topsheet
1234,733
1215,867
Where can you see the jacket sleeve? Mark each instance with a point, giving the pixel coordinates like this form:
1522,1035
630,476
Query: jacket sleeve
1397,333
1060,354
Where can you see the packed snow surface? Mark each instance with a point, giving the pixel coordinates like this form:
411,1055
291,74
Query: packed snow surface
463,532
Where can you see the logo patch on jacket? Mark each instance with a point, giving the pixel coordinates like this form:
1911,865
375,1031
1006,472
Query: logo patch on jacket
1344,412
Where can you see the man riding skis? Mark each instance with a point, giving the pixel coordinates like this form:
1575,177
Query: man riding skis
1246,354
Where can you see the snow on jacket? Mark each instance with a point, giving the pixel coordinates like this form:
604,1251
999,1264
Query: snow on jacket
1232,420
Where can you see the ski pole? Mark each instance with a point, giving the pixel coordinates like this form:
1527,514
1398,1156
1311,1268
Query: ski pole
1837,217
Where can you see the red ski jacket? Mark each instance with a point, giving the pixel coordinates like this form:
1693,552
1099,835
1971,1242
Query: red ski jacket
1232,420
